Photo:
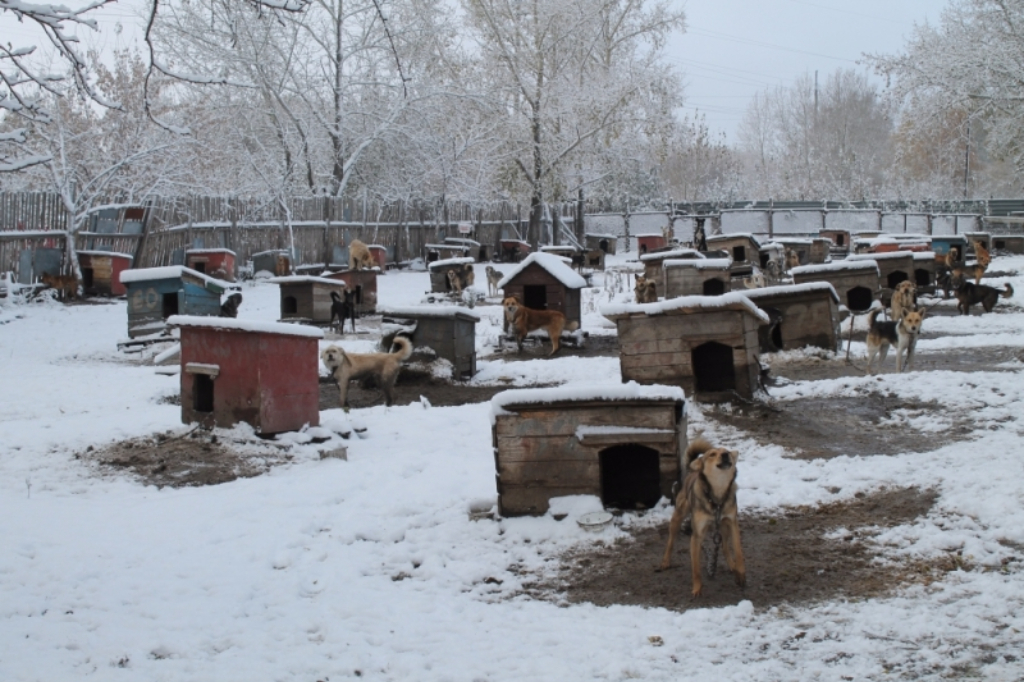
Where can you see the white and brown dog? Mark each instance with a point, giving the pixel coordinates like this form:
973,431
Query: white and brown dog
901,333
380,366
359,256
493,277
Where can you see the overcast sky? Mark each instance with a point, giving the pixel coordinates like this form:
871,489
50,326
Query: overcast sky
733,49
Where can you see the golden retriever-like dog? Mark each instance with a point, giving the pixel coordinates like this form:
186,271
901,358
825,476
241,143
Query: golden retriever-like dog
359,256
383,367
65,285
525,320
708,498
904,299
645,290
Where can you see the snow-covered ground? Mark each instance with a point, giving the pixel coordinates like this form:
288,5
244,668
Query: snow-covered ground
372,568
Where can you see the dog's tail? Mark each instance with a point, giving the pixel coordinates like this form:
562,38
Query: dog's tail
574,325
872,315
335,297
1008,293
404,348
697,447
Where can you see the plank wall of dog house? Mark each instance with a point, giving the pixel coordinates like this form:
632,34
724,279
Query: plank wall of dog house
439,282
538,288
450,331
808,316
893,267
364,284
856,282
654,263
696,277
307,298
154,294
101,272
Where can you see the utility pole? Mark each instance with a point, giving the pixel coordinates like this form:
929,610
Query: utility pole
967,158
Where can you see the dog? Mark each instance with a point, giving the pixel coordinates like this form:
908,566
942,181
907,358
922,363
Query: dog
904,297
359,257
383,367
982,255
708,500
975,270
66,286
792,259
901,333
756,280
343,308
229,308
645,290
525,320
969,293
493,277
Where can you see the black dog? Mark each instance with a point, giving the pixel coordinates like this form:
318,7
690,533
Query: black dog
343,309
229,308
968,293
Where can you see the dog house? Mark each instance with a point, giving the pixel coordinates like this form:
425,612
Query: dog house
855,281
696,277
708,345
155,294
925,271
514,250
654,263
1013,243
801,315
265,374
439,282
744,250
621,442
276,262
943,244
363,283
603,242
305,298
436,252
477,251
813,250
840,240
893,267
379,254
449,331
646,243
101,272
219,263
545,282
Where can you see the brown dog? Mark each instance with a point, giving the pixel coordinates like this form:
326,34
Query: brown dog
982,255
904,298
525,320
969,293
359,257
381,366
900,333
65,285
645,290
708,498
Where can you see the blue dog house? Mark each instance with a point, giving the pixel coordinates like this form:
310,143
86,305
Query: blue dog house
154,294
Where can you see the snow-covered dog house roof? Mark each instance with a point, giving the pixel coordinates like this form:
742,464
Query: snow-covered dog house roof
653,261
708,345
448,330
155,294
621,442
307,298
544,281
856,281
690,277
893,266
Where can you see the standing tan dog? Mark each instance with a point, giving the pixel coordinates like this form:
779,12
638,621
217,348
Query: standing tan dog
65,285
904,298
359,256
381,366
708,498
645,290
525,320
901,333
982,255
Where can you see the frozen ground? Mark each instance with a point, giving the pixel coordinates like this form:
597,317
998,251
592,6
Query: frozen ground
373,568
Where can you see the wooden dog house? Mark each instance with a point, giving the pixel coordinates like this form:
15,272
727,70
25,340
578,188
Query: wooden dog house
802,315
743,248
708,345
1014,243
265,374
155,294
305,298
813,250
622,442
363,283
925,271
477,251
439,282
447,251
840,239
277,262
893,267
697,277
219,263
604,242
855,281
101,272
943,244
654,263
514,250
448,330
646,243
544,281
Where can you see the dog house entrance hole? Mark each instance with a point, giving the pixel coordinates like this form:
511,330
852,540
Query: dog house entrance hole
199,266
1000,243
535,296
739,254
922,278
289,305
603,245
433,256
714,287
859,299
713,368
202,393
170,304
895,277
630,477
87,278
840,240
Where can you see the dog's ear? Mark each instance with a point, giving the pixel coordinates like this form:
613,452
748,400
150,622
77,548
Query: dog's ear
697,463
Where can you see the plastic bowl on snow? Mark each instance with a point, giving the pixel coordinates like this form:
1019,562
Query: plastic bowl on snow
594,521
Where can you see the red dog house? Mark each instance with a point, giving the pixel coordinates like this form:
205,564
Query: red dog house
219,263
363,283
265,374
101,272
646,243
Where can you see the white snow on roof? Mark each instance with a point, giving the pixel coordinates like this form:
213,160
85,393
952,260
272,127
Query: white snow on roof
923,255
105,253
598,235
698,263
210,251
888,255
835,267
461,240
795,241
728,300
171,272
782,290
429,311
555,266
275,251
733,235
234,324
448,262
583,392
306,279
674,253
